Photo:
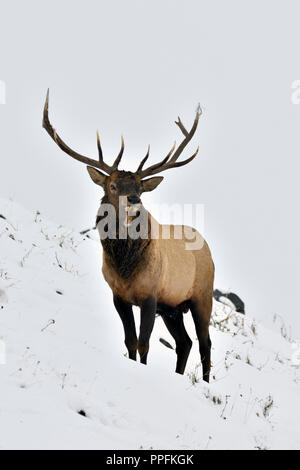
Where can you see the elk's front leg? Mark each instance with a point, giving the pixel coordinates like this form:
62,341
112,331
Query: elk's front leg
125,311
148,310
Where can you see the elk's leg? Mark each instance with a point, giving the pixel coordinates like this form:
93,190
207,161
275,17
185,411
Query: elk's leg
201,312
148,310
183,342
125,311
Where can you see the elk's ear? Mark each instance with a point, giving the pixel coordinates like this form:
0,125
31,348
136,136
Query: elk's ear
151,183
98,177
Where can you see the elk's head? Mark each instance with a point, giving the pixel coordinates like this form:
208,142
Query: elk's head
123,183
116,183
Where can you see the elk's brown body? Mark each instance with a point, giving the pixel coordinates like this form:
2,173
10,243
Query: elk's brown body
166,270
156,273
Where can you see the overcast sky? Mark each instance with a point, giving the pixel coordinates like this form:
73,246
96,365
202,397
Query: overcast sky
130,67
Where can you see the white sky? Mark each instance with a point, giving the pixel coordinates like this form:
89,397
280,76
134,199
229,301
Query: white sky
131,67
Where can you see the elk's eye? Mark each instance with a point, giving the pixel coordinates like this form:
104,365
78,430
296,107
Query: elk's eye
112,187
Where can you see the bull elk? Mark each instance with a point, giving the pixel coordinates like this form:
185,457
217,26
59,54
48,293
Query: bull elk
156,274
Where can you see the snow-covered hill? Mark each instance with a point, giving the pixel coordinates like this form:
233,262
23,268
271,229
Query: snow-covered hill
67,384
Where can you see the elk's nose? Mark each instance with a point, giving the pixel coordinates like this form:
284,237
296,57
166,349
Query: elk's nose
133,199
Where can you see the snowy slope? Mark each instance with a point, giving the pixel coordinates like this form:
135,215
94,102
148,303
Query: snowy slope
65,354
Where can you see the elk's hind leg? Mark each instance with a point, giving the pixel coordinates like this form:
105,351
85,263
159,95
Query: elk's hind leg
125,311
201,312
183,342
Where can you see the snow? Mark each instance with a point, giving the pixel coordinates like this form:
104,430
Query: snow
65,354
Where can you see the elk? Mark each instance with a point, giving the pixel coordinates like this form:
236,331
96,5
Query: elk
157,274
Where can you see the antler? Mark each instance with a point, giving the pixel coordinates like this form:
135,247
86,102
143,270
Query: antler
166,164
81,158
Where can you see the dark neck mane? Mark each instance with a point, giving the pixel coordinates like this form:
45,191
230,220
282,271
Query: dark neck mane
127,256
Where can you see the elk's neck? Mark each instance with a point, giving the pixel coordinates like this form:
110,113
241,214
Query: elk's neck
126,255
